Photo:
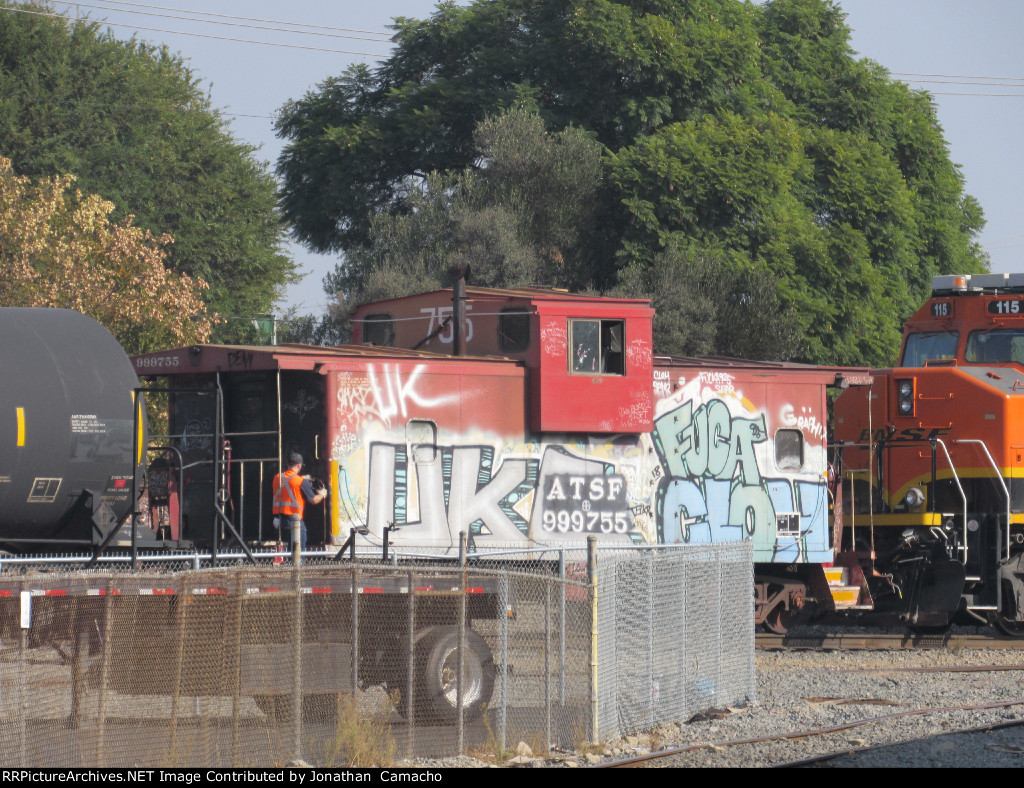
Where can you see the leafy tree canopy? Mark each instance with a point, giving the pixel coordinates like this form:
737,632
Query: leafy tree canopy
743,137
130,122
61,249
523,215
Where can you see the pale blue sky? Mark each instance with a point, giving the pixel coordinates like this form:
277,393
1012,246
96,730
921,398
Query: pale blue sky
937,45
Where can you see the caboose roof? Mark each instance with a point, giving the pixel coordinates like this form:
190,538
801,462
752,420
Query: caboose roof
199,359
540,294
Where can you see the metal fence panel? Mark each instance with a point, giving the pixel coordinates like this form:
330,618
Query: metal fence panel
359,663
675,635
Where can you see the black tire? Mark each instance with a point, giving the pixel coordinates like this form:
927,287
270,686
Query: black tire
437,666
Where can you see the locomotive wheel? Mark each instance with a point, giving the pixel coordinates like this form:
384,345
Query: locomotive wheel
437,687
1009,627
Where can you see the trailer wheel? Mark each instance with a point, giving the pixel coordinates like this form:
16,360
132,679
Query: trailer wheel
437,671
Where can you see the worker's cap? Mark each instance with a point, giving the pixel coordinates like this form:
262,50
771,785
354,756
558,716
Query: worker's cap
295,458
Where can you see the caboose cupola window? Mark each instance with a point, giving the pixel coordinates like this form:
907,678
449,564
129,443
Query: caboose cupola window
596,347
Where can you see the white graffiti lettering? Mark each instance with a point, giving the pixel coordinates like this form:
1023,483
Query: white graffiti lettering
806,421
553,339
438,315
382,395
640,352
719,381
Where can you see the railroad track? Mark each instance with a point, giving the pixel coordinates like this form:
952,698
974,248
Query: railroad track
907,640
828,736
858,707
866,755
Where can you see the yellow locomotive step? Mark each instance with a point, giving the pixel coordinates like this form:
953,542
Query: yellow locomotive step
845,596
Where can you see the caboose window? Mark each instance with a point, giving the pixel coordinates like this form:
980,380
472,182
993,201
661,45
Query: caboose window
596,347
789,450
513,330
422,437
379,329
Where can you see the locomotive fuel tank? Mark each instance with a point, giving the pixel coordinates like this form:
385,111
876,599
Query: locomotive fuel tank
67,424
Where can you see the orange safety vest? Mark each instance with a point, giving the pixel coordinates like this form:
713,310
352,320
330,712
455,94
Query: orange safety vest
288,498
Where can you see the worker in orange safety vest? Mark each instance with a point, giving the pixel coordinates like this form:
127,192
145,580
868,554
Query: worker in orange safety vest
291,491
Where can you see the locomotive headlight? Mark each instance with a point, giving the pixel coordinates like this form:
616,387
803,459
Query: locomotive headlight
905,397
914,497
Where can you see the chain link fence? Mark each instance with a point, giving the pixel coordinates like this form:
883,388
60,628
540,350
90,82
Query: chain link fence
675,635
365,663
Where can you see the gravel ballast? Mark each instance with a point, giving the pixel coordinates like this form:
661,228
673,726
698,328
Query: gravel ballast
800,692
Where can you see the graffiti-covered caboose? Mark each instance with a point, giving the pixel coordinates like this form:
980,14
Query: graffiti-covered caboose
554,421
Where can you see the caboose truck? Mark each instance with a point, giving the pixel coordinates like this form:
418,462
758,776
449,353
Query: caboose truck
932,459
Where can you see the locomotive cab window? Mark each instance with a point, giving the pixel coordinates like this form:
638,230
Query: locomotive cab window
995,347
933,346
513,330
596,347
379,329
789,450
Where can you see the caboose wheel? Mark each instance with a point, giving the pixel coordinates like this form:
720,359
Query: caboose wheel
781,620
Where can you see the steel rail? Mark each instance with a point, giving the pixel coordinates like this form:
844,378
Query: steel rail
638,760
843,641
993,726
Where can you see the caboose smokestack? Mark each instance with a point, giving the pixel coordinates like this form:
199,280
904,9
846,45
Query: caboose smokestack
459,310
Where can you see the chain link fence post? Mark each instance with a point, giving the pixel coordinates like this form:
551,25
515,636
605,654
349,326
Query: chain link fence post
297,661
561,627
503,596
236,683
410,667
547,663
461,648
181,612
25,599
592,583
354,667
108,638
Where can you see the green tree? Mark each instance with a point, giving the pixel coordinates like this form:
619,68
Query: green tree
747,135
130,121
59,248
523,215
705,305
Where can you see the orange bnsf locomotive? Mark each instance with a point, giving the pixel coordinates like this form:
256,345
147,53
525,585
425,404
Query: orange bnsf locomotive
932,461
